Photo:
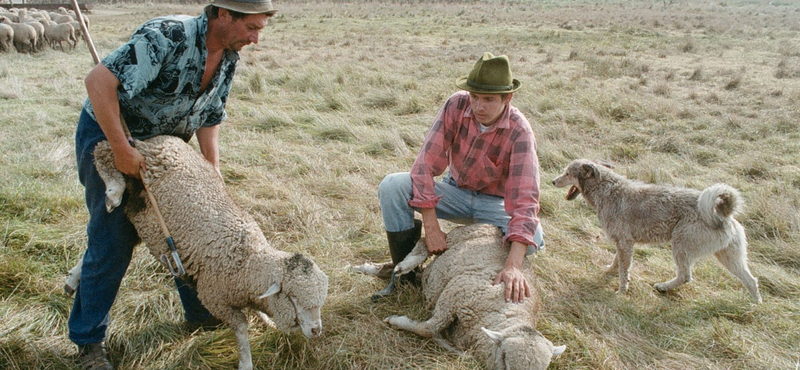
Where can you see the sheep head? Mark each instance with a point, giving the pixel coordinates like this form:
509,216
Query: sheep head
296,301
520,348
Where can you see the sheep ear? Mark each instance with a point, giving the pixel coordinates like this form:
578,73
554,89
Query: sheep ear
496,336
559,350
275,288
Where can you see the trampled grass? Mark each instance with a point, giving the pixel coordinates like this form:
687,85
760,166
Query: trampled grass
338,94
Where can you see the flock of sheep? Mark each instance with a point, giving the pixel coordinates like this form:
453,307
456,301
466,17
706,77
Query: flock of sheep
30,30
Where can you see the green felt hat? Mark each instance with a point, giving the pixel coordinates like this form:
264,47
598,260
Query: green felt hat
490,75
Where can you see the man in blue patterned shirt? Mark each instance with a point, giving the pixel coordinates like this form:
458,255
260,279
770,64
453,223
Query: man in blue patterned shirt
172,78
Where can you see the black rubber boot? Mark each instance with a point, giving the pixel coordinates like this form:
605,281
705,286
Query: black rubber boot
401,243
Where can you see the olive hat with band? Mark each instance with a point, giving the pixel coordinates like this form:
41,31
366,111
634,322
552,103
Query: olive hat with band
490,75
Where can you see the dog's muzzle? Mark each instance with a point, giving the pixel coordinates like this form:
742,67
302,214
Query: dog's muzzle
573,192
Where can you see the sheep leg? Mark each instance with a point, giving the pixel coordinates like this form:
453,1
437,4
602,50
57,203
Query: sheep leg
114,180
443,315
413,260
265,318
239,324
381,270
426,329
73,278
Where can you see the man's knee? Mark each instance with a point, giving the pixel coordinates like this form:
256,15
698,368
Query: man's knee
393,184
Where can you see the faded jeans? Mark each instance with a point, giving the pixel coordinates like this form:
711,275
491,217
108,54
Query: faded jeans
457,205
111,239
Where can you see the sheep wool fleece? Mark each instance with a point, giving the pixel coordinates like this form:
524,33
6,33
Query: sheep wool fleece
221,246
473,313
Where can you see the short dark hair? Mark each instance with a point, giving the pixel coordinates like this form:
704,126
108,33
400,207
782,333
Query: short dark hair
212,12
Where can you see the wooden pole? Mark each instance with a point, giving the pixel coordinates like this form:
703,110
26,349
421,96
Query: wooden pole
85,31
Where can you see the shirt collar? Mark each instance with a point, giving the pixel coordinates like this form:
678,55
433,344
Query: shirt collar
503,122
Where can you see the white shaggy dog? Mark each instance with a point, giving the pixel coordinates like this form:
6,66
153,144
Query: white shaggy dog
698,223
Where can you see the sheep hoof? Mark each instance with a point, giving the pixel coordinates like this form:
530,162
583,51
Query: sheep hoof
386,291
113,199
68,290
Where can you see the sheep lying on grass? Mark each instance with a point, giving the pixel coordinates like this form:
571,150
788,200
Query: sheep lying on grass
221,246
471,311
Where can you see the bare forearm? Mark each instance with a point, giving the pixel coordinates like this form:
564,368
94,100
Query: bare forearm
101,86
208,140
429,220
516,255
435,239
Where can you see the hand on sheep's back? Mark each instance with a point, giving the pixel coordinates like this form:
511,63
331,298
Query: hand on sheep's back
517,287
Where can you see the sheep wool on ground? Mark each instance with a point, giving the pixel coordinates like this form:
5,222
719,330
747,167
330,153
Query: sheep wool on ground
469,310
221,246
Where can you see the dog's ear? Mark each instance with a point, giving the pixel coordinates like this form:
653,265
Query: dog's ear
588,170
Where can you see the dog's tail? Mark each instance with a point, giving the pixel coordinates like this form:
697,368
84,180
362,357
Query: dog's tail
719,202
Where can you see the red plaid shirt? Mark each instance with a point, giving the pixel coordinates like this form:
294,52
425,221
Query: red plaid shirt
501,161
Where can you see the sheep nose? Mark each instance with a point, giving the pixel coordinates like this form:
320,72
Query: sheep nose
316,331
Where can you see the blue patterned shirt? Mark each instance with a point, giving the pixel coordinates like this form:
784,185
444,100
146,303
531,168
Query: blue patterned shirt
161,69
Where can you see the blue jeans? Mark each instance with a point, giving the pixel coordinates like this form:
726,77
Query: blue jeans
111,239
457,205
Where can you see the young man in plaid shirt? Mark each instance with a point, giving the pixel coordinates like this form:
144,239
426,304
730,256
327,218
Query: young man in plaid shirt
490,150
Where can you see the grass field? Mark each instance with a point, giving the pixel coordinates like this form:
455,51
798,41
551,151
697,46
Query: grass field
338,94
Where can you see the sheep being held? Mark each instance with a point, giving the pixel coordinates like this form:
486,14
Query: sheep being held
471,311
221,246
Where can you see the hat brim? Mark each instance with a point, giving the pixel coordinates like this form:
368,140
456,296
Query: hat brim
462,84
246,7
